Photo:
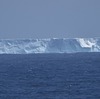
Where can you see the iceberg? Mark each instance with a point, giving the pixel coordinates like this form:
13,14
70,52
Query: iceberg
54,45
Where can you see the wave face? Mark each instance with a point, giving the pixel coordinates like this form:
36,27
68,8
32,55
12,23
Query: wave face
55,45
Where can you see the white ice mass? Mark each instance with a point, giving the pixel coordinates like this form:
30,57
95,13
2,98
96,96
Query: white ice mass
55,45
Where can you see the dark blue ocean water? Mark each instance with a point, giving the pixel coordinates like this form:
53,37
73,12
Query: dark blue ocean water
50,76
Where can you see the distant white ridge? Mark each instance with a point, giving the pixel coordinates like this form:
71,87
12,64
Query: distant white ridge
54,45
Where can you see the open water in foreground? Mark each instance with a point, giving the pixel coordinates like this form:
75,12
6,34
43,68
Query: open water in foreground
50,76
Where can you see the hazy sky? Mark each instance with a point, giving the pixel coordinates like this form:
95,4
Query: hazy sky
49,18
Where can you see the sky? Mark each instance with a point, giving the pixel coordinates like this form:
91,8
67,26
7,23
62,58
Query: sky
49,18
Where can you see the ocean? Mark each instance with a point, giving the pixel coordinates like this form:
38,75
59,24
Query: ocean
50,76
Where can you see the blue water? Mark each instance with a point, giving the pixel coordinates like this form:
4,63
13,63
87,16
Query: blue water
50,76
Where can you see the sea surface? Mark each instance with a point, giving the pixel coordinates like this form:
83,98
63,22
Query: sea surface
50,76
